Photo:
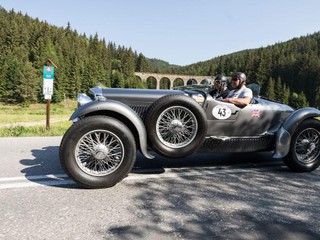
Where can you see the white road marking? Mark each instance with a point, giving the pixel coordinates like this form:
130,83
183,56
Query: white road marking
35,184
62,179
35,177
33,181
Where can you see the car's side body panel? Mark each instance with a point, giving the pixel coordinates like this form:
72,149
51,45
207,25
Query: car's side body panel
257,119
259,126
284,135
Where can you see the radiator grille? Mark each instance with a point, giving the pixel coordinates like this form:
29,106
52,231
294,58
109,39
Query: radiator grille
141,110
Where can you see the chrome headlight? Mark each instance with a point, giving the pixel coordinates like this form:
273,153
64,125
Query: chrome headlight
82,99
199,98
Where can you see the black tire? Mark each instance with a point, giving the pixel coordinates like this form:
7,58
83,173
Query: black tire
97,152
176,126
304,153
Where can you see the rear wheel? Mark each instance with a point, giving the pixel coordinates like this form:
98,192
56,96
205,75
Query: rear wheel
97,152
304,154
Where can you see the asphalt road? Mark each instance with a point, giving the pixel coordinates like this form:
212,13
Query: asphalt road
205,196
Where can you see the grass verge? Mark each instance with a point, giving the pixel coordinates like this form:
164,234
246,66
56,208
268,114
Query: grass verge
18,121
56,129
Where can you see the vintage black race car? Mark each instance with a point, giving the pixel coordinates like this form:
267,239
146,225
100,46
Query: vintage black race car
99,149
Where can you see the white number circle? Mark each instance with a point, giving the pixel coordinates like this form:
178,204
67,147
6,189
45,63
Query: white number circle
221,112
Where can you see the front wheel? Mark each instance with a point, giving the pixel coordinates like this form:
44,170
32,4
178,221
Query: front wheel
97,152
304,154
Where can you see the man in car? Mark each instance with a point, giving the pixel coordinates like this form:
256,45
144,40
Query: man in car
220,90
240,95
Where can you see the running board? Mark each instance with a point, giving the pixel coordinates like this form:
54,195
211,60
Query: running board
237,144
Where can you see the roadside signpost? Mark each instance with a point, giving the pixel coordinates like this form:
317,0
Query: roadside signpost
48,75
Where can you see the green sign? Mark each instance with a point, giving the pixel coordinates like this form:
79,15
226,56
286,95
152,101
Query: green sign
48,72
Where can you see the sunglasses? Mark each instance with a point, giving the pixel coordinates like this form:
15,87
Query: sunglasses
217,81
235,79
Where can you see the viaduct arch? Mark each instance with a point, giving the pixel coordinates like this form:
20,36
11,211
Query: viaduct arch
172,77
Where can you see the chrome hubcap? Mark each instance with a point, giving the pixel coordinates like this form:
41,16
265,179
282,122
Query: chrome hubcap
175,126
100,152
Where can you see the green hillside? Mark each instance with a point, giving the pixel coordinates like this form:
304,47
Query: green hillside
83,62
288,71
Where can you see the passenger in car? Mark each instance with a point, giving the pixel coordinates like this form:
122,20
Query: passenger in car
240,95
220,90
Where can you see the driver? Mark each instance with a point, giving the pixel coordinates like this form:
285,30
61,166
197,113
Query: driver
220,90
240,95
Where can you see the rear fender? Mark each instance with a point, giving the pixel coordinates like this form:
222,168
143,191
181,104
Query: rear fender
119,108
286,131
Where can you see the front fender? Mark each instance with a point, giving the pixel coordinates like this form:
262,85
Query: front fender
286,131
120,108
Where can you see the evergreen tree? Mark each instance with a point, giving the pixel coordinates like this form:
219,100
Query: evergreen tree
286,94
211,71
28,87
142,64
117,80
317,97
270,93
12,81
278,90
298,100
127,60
135,82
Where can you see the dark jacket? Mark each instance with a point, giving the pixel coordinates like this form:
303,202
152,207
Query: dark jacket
222,94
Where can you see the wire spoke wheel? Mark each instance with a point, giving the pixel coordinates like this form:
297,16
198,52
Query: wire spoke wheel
99,153
176,127
304,153
307,146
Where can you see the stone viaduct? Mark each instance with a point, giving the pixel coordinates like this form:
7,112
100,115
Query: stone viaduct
187,79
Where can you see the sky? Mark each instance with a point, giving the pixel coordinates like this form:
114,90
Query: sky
180,32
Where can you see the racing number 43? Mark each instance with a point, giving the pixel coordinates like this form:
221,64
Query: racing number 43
221,112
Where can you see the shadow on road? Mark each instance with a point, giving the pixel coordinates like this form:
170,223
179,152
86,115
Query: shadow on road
276,204
45,161
217,160
45,168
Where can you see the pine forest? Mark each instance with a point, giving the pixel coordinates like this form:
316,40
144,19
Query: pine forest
288,72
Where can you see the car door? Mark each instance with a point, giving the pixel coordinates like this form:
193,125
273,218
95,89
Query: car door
226,119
